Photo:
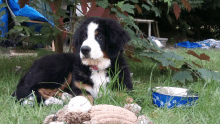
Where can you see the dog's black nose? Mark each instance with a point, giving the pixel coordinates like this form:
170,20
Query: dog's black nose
85,50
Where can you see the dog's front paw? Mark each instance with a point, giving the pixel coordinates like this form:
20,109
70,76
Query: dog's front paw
30,101
53,100
66,96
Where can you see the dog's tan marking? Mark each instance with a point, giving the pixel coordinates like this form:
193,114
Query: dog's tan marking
67,82
96,32
81,86
47,93
105,55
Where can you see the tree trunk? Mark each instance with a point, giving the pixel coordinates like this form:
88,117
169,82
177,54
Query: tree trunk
58,38
23,2
58,43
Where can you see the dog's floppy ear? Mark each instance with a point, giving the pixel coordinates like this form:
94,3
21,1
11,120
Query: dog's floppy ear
78,35
76,38
118,37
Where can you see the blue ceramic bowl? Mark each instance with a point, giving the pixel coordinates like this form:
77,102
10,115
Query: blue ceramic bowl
173,97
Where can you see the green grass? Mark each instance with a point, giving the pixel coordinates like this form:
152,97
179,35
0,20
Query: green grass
146,75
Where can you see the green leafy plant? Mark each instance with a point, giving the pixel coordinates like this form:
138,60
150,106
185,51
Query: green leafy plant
194,69
121,11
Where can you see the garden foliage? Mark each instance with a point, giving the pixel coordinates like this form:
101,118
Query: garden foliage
122,11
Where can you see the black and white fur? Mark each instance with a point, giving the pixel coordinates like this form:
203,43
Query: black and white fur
99,44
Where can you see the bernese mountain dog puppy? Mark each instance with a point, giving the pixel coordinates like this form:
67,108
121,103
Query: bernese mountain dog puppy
99,44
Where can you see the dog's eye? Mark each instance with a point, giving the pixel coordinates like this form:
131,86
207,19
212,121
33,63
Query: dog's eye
99,37
84,37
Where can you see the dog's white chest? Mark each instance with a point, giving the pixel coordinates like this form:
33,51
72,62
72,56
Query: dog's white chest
99,79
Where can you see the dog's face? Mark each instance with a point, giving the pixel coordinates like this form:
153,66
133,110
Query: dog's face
98,40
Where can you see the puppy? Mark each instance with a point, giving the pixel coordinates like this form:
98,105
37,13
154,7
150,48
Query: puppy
99,44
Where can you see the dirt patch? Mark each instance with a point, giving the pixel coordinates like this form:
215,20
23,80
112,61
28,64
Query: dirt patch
8,52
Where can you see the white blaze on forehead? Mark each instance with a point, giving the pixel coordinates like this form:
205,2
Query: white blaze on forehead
91,30
96,52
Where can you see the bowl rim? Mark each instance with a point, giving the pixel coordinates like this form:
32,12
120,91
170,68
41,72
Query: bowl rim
195,95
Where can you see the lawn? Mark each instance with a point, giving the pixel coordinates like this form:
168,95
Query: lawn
146,75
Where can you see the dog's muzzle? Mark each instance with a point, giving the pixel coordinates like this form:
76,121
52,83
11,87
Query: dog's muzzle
85,50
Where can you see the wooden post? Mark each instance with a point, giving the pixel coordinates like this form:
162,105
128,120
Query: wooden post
154,28
58,42
149,29
158,35
146,21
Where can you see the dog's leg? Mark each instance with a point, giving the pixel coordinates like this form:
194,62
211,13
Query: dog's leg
65,96
87,89
28,101
48,96
53,100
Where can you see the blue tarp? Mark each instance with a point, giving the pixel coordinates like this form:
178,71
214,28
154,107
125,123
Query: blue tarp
188,44
3,21
26,11
205,44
